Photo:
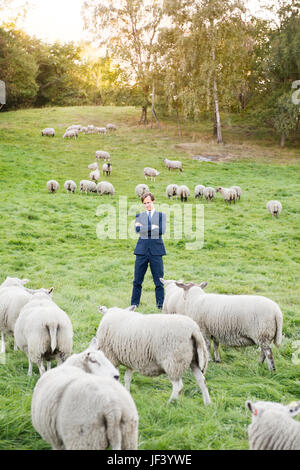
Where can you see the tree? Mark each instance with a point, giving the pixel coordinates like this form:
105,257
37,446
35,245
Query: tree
129,29
286,116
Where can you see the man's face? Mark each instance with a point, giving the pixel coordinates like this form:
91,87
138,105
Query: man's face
148,203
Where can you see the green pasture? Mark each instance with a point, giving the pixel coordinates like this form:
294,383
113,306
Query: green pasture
52,240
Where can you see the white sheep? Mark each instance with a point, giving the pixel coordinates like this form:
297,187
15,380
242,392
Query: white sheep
100,130
229,194
183,192
234,320
93,166
77,127
273,426
101,154
90,128
70,186
87,186
84,130
209,193
111,127
152,345
199,190
13,281
151,172
106,168
43,331
171,190
95,175
52,186
173,164
238,191
173,301
141,189
274,207
81,406
48,131
71,133
104,187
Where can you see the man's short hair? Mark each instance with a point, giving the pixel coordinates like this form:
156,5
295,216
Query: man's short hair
146,195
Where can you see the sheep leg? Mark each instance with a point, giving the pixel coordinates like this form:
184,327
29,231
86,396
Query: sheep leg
216,350
262,356
41,367
2,342
207,342
176,390
29,367
127,378
15,346
48,365
270,359
200,379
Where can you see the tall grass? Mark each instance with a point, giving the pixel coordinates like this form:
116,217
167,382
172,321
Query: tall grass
51,239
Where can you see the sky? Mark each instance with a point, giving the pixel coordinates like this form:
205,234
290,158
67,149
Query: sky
52,20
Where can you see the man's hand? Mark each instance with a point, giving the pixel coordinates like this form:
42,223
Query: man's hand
138,224
154,226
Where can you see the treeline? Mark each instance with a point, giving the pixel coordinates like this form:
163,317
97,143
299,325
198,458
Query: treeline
187,58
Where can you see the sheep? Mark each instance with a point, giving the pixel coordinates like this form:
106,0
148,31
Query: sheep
173,164
183,192
106,168
111,127
150,172
87,186
70,186
90,128
274,207
173,301
238,191
84,130
234,320
77,127
80,405
199,190
228,194
95,175
152,345
104,187
93,166
209,193
141,189
12,300
48,131
52,186
13,281
171,190
101,154
273,426
71,133
43,331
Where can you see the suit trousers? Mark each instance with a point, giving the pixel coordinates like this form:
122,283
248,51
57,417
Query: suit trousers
157,270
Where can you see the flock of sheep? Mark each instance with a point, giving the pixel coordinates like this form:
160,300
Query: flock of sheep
80,404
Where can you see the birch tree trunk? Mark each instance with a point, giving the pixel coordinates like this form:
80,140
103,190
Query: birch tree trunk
216,99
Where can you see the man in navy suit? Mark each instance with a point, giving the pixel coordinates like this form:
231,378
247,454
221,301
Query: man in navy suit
149,250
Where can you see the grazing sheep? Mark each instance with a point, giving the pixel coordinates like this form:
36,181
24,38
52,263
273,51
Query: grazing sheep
150,172
152,345
70,186
100,130
52,186
141,189
173,164
183,192
199,190
48,131
104,187
273,426
71,133
209,193
111,127
274,207
93,166
87,186
171,190
77,127
234,320
80,405
12,300
101,154
106,168
228,194
95,175
84,130
43,331
238,191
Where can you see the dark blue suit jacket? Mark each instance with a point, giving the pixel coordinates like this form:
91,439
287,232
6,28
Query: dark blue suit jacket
150,240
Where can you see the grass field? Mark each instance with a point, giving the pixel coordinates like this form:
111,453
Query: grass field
52,240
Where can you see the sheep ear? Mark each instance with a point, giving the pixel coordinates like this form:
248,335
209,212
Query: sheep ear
294,408
50,290
102,309
93,345
250,406
203,285
186,287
